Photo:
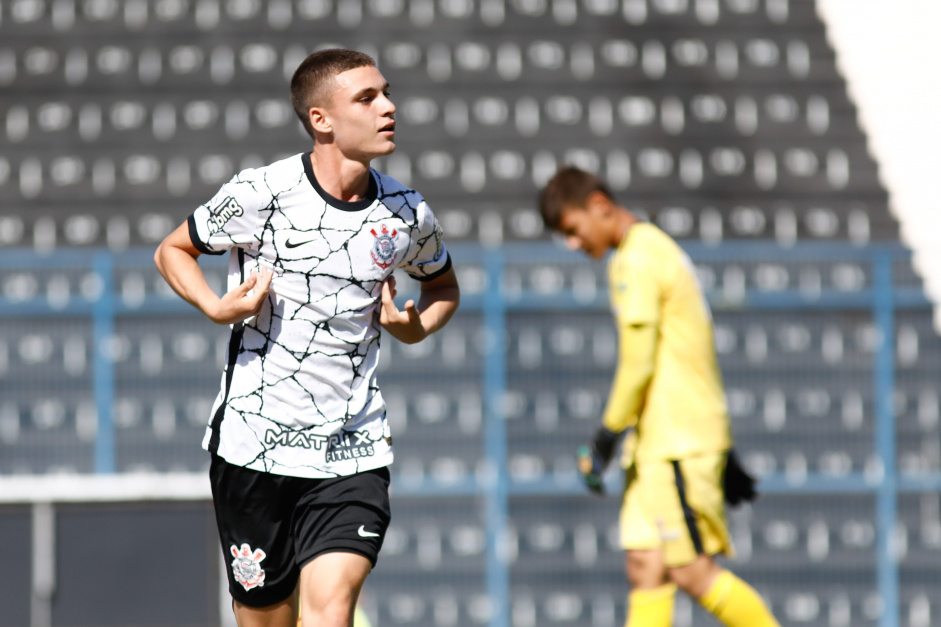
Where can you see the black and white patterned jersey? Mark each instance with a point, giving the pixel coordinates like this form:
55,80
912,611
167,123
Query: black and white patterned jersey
299,394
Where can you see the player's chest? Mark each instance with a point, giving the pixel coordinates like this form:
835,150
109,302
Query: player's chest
357,245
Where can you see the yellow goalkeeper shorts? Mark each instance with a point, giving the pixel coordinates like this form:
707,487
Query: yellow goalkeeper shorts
676,506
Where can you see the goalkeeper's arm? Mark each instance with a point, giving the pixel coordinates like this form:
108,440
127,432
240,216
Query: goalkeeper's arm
637,349
637,352
594,457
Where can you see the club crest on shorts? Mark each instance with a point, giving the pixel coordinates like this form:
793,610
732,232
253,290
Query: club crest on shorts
383,249
246,567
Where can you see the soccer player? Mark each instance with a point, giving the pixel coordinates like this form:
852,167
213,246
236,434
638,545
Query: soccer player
359,618
668,388
298,436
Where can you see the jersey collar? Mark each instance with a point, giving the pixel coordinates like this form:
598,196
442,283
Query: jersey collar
357,205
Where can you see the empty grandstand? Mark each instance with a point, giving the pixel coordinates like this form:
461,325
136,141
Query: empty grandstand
725,122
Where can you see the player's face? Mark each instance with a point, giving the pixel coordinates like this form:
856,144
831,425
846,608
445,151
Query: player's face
361,114
584,229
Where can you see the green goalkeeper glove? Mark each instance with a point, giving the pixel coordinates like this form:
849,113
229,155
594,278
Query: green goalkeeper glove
593,458
591,467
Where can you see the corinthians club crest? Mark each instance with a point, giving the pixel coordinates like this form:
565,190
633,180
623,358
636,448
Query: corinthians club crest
246,567
383,249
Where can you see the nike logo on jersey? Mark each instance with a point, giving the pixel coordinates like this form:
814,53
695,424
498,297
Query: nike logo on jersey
366,534
291,244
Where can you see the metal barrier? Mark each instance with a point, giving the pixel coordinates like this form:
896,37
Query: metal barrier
496,291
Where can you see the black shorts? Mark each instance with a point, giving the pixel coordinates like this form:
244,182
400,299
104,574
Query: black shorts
270,526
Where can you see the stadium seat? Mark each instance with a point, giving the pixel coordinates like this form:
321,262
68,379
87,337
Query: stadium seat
721,121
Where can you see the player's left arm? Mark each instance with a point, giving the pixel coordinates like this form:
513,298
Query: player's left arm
439,300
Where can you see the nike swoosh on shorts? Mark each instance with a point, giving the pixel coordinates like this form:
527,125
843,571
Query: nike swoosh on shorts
366,534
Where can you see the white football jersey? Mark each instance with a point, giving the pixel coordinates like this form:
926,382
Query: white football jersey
299,394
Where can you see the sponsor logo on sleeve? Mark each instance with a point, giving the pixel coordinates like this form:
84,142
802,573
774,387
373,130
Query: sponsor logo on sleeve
439,236
223,212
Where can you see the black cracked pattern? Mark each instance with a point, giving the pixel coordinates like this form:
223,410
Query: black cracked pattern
303,400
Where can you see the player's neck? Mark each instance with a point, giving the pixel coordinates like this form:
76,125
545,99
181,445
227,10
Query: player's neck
624,220
342,178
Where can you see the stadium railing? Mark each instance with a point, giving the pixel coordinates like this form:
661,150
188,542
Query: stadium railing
490,295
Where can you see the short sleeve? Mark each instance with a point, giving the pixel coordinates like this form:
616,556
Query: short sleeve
229,219
428,257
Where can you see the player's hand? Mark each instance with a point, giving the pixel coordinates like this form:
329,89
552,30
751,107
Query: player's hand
593,458
591,466
737,484
244,301
405,324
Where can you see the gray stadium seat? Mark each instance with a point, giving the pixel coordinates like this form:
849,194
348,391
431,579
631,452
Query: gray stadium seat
719,120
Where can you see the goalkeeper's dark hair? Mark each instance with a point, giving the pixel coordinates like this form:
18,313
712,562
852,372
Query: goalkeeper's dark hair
309,85
570,187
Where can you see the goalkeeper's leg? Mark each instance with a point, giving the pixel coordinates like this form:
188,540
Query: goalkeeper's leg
736,604
650,603
652,607
732,601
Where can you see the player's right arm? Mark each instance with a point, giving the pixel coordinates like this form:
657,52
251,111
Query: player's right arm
176,259
636,361
636,279
635,294
637,353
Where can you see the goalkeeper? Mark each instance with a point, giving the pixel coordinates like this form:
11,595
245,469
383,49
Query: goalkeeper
680,466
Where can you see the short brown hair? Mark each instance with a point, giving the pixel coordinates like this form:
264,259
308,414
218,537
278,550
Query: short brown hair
311,78
570,187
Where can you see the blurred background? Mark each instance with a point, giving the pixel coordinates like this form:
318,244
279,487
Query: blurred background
789,145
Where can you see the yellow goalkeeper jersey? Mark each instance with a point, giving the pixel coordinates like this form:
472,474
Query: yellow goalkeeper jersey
682,413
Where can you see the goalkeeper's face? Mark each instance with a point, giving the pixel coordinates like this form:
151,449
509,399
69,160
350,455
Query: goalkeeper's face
587,229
